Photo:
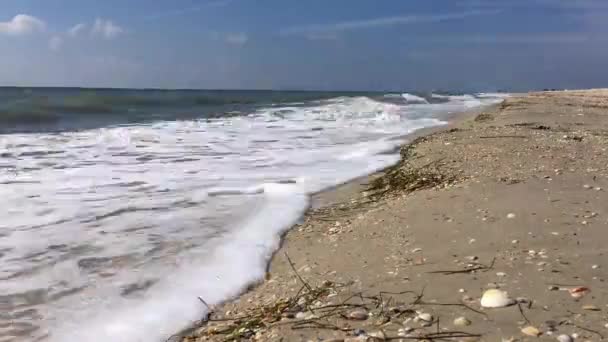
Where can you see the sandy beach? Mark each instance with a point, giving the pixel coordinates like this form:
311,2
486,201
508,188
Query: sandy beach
513,198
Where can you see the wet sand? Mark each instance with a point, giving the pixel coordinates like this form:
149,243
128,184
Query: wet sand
512,198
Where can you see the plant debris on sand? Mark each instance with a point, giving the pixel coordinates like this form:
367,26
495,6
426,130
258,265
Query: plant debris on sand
334,306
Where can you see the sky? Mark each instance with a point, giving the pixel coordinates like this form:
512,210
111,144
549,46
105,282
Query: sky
482,45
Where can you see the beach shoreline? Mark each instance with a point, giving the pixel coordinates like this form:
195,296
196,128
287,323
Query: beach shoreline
509,197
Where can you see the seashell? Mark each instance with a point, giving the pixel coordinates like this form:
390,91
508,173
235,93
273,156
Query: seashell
494,298
426,317
591,308
564,338
531,331
358,315
579,292
462,322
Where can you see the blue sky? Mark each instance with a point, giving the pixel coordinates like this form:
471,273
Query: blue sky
312,44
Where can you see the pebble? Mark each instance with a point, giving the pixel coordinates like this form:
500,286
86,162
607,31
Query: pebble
515,241
564,338
416,250
510,215
378,335
462,322
531,331
472,258
595,267
501,274
358,315
587,186
523,300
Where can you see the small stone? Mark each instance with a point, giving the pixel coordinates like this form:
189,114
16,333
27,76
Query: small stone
359,332
523,300
531,331
462,322
553,288
510,215
416,250
461,291
358,315
575,335
472,258
598,189
501,274
301,315
595,267
564,338
378,335
515,241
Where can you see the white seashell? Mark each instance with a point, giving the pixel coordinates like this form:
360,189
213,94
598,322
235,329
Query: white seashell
358,315
564,338
494,298
426,317
462,322
531,331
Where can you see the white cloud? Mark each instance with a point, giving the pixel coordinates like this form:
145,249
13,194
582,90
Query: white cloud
237,38
55,43
77,29
22,24
332,29
106,29
183,11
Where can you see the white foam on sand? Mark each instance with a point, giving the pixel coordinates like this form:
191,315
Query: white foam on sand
190,208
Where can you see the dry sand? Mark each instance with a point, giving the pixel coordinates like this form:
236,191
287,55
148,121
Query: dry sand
514,198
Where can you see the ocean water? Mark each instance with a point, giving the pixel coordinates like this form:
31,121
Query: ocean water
121,207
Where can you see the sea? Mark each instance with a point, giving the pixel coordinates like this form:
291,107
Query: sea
120,208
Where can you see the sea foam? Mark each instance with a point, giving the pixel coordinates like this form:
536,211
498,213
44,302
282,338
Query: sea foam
127,226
